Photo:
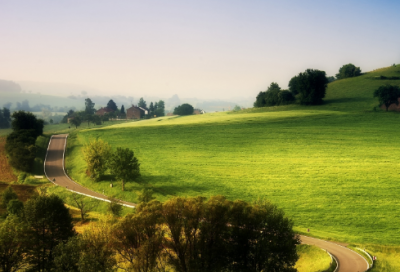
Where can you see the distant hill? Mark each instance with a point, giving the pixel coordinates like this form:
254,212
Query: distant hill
356,93
9,86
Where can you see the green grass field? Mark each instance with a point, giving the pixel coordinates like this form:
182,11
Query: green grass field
332,168
312,258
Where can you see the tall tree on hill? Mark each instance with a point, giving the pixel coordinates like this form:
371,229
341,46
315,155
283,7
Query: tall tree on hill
160,111
151,109
89,106
387,95
111,105
142,103
310,86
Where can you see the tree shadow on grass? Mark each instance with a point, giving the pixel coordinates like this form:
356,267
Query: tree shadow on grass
170,185
345,100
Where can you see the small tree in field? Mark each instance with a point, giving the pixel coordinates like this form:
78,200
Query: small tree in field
76,121
96,155
388,95
124,165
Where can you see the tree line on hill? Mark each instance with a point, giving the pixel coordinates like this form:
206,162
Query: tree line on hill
182,234
155,109
308,88
111,111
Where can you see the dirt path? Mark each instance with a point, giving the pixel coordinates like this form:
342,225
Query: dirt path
348,260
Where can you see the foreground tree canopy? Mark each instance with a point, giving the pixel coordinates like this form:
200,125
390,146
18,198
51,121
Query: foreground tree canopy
348,70
182,234
387,95
309,86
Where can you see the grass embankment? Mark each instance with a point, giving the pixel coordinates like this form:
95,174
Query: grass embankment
312,258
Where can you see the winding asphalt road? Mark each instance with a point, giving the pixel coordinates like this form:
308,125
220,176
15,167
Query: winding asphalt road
349,261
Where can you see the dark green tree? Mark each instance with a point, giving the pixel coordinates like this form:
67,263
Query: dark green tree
27,121
67,255
21,149
348,70
151,109
387,95
285,97
111,105
14,244
273,96
184,109
310,86
76,121
89,106
160,111
50,224
124,165
5,118
123,110
142,103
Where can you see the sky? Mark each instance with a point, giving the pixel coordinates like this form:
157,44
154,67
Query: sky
209,49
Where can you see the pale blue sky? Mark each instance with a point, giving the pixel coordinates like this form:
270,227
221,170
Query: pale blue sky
204,49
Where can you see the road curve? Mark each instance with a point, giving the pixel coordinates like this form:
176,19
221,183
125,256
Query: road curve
349,261
54,170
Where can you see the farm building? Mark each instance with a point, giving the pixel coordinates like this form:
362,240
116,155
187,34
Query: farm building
136,112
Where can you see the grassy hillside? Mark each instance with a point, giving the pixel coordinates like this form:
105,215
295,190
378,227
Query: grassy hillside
333,168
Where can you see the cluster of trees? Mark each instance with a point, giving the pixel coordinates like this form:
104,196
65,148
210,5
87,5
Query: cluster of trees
5,118
87,115
121,162
184,109
155,109
274,96
387,95
308,88
185,234
348,70
20,144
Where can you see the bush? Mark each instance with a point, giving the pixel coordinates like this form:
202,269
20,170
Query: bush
348,70
8,195
184,109
15,207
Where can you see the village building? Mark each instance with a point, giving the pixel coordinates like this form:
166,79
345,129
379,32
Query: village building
136,112
103,111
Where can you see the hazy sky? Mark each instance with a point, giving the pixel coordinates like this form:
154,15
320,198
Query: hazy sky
204,49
